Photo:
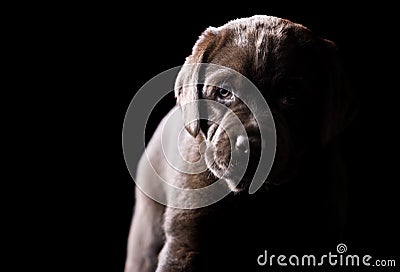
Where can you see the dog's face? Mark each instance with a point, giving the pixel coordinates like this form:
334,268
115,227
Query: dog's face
297,74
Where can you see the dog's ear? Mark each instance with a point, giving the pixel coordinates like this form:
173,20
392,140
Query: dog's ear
187,85
340,104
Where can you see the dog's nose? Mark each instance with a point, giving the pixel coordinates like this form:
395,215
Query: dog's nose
242,144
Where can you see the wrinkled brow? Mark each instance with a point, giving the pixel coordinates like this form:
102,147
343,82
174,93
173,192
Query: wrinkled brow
223,78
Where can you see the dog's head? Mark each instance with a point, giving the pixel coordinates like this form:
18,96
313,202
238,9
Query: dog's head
296,72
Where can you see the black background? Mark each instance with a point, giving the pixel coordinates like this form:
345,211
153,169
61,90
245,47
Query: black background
119,48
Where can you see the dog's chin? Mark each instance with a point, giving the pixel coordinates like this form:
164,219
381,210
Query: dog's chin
236,187
236,183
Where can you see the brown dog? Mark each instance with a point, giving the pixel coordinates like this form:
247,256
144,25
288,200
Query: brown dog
299,76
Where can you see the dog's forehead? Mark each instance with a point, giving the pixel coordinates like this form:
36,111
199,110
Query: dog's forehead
222,77
258,32
249,45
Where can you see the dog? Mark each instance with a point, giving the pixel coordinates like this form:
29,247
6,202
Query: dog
303,198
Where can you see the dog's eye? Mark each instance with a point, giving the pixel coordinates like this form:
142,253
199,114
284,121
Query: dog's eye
224,93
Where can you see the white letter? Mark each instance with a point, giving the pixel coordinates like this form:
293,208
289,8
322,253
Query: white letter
366,258
309,258
322,260
290,260
280,259
352,257
330,258
265,259
270,259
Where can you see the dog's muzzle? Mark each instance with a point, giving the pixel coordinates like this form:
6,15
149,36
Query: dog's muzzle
233,150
